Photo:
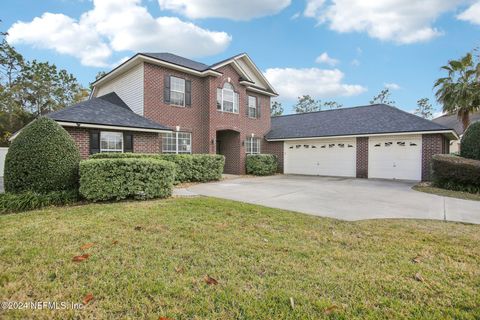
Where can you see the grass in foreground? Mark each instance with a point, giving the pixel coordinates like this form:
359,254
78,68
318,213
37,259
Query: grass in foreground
446,193
149,259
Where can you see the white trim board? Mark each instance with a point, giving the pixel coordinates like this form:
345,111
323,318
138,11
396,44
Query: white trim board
371,135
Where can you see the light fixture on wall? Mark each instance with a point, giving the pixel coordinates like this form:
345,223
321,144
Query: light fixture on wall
253,134
177,128
213,141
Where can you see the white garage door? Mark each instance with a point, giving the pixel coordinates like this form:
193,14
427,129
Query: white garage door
395,157
326,157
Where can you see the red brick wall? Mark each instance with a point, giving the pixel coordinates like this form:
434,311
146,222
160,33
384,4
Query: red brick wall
147,142
276,148
143,142
362,157
82,140
203,119
432,144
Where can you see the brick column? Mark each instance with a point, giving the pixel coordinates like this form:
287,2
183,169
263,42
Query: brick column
432,144
362,157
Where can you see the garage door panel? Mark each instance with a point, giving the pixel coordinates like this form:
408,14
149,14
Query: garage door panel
395,157
329,157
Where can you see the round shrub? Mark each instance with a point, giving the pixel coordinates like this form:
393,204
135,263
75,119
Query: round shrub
470,144
42,158
261,164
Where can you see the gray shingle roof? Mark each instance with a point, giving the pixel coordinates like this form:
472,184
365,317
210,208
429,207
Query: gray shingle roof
452,121
105,110
371,119
180,61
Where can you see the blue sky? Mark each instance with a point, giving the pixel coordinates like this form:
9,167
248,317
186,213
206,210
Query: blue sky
366,45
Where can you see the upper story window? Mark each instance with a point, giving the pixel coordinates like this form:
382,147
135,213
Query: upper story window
111,141
252,145
177,142
252,107
227,99
177,91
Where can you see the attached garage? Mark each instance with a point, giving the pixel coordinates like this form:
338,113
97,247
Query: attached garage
375,141
395,157
323,157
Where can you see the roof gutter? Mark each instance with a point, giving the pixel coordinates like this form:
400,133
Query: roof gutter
449,133
138,58
109,127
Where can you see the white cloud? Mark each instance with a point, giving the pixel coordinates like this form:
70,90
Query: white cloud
62,34
325,58
235,10
392,86
355,62
400,21
116,25
319,83
295,16
472,14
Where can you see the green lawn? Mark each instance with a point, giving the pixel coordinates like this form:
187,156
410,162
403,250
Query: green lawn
446,193
150,259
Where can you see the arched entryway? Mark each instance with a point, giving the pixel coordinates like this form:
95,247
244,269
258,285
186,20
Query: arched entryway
228,143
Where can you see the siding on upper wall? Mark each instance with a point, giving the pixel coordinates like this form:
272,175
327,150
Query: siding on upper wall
128,86
251,74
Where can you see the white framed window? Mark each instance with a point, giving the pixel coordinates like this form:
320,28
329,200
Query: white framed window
252,107
177,91
177,142
111,141
252,145
227,99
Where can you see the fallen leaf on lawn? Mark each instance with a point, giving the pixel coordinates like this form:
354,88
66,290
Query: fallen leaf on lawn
210,280
419,277
164,318
81,258
292,303
179,269
86,246
138,228
417,259
88,298
114,241
330,309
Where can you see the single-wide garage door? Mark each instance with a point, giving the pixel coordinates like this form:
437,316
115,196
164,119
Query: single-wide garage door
325,157
395,157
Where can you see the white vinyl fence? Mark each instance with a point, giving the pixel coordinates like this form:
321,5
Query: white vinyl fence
3,153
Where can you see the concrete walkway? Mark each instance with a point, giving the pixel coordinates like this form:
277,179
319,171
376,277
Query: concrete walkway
342,198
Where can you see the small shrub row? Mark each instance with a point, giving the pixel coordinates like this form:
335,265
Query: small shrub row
261,164
456,173
123,178
190,167
16,202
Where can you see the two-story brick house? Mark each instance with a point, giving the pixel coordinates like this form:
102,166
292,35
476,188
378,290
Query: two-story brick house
163,103
223,108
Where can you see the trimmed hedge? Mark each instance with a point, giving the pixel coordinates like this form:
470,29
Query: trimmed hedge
116,179
42,158
16,202
456,173
261,164
470,143
190,167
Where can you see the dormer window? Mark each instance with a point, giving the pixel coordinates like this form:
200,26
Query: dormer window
227,99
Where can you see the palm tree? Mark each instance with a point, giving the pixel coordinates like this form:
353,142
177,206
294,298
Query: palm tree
459,92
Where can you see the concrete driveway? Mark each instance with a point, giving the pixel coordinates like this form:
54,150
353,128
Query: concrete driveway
342,198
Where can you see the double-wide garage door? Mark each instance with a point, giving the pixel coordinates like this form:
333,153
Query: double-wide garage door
389,157
326,157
